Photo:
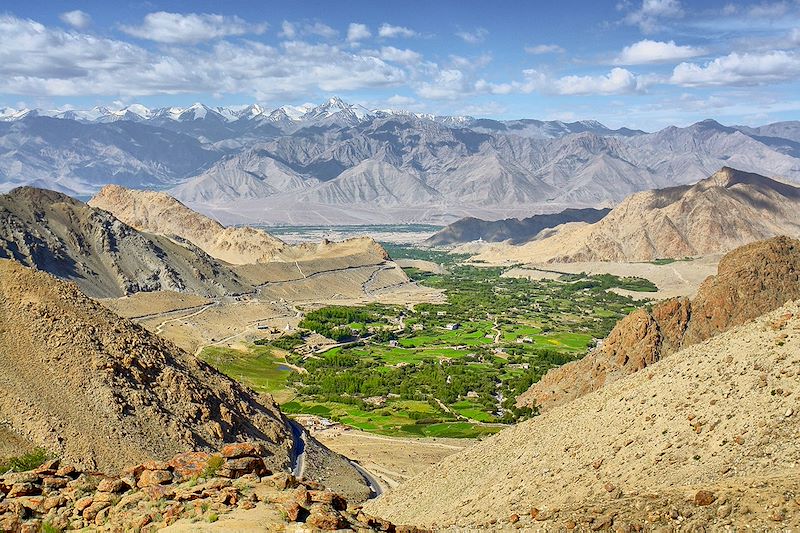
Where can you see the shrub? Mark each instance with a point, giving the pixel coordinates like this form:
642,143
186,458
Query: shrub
213,465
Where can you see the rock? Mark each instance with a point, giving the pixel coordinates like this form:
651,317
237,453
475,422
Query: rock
90,513
243,449
293,510
114,485
282,480
154,477
23,489
55,482
159,492
53,502
66,471
330,498
704,497
723,510
83,503
514,518
189,464
234,468
325,518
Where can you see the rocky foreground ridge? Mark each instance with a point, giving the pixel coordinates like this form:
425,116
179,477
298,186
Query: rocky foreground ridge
750,281
192,491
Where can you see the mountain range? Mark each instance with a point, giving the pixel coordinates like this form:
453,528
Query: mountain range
340,162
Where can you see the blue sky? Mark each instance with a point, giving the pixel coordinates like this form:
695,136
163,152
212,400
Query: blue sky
639,63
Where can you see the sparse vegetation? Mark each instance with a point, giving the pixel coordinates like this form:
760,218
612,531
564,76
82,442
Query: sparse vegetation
28,461
213,465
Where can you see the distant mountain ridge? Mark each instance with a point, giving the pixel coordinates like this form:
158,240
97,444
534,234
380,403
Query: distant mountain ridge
337,161
729,209
514,230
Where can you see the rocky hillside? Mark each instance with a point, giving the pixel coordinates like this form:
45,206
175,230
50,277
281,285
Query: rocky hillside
750,281
161,214
514,230
716,215
706,439
101,392
104,256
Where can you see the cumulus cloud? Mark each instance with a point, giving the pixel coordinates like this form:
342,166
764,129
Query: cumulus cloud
473,37
77,19
647,51
618,81
358,32
178,28
37,60
540,49
649,16
388,31
390,53
320,29
400,100
448,84
740,69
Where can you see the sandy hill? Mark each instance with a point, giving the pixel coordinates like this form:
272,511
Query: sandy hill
106,257
707,437
750,281
159,213
717,214
102,392
515,230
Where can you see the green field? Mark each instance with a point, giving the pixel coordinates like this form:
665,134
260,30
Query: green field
410,371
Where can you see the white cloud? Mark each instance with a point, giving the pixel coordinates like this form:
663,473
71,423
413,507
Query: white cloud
399,100
358,32
540,49
390,53
740,69
320,29
448,84
647,51
649,16
618,81
178,28
473,37
388,31
36,60
288,30
77,19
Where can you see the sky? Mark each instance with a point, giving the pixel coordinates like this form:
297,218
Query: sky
638,63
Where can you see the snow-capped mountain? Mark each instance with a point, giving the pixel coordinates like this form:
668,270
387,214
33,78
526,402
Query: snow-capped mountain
294,163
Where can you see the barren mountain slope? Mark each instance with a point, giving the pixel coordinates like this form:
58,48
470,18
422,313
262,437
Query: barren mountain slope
516,230
102,392
750,281
106,257
719,414
159,213
729,209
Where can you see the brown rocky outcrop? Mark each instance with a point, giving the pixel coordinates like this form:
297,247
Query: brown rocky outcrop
154,495
751,280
